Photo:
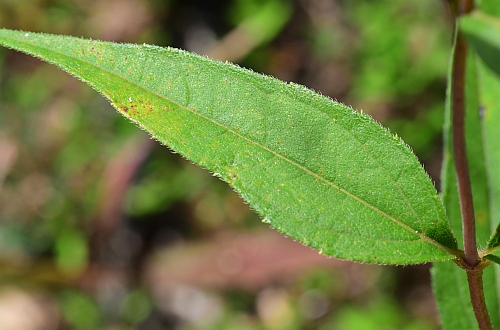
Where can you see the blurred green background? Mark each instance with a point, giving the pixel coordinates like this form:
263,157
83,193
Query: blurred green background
102,228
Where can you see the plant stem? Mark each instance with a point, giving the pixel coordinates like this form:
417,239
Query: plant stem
472,262
475,279
474,266
459,150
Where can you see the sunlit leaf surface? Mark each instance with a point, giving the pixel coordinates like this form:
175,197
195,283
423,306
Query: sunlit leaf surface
313,168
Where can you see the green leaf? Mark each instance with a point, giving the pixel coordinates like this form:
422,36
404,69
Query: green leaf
494,240
493,258
483,33
313,168
449,281
490,101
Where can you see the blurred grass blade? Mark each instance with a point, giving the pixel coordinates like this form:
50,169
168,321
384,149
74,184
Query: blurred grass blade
483,33
258,28
268,21
313,168
450,281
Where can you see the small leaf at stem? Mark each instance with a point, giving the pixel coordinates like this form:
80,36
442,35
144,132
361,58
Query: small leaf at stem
493,258
495,239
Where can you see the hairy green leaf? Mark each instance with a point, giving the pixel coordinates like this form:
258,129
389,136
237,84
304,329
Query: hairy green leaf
313,168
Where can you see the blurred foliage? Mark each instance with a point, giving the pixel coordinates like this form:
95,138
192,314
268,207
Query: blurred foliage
401,49
86,199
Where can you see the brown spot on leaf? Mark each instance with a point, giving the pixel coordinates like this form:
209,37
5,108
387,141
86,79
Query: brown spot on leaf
122,108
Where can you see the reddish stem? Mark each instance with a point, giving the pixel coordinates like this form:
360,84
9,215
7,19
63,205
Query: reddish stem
475,279
459,150
472,263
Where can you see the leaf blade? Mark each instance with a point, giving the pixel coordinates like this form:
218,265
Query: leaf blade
452,296
483,32
295,156
490,100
